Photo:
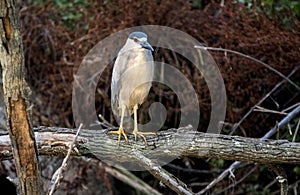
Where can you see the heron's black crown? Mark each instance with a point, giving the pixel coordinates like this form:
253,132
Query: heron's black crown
137,35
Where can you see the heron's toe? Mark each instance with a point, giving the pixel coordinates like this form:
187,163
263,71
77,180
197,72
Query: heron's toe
120,132
142,134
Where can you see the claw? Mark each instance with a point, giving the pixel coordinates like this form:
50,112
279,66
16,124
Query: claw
120,132
136,133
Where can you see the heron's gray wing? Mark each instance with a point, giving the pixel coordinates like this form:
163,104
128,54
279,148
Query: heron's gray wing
120,66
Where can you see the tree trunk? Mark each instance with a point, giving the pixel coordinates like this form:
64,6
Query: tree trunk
16,92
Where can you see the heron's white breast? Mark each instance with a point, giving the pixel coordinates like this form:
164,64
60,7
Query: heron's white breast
136,81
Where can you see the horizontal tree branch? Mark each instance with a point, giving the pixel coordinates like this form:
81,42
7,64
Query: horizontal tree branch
168,144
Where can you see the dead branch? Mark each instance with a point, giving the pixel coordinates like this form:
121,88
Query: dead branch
236,164
127,177
172,143
251,58
167,178
57,176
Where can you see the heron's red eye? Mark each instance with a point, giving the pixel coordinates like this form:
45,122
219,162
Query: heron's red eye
135,39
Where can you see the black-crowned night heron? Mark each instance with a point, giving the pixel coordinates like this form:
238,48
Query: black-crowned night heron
131,80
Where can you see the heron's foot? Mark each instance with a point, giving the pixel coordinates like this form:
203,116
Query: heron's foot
120,132
142,134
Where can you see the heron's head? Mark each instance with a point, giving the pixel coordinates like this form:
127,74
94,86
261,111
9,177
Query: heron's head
139,40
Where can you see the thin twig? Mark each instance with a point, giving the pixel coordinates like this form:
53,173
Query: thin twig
296,131
268,186
262,109
104,121
251,58
291,107
57,176
193,170
127,177
224,174
108,126
238,182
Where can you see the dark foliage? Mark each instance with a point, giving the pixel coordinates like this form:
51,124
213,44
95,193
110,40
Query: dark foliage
56,39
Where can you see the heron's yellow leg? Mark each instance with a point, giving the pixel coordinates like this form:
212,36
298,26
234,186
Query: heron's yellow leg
121,130
135,130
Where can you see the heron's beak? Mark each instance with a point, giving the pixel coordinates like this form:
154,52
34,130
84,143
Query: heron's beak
146,45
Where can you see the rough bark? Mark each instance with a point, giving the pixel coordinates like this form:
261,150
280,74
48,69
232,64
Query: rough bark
171,143
16,92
